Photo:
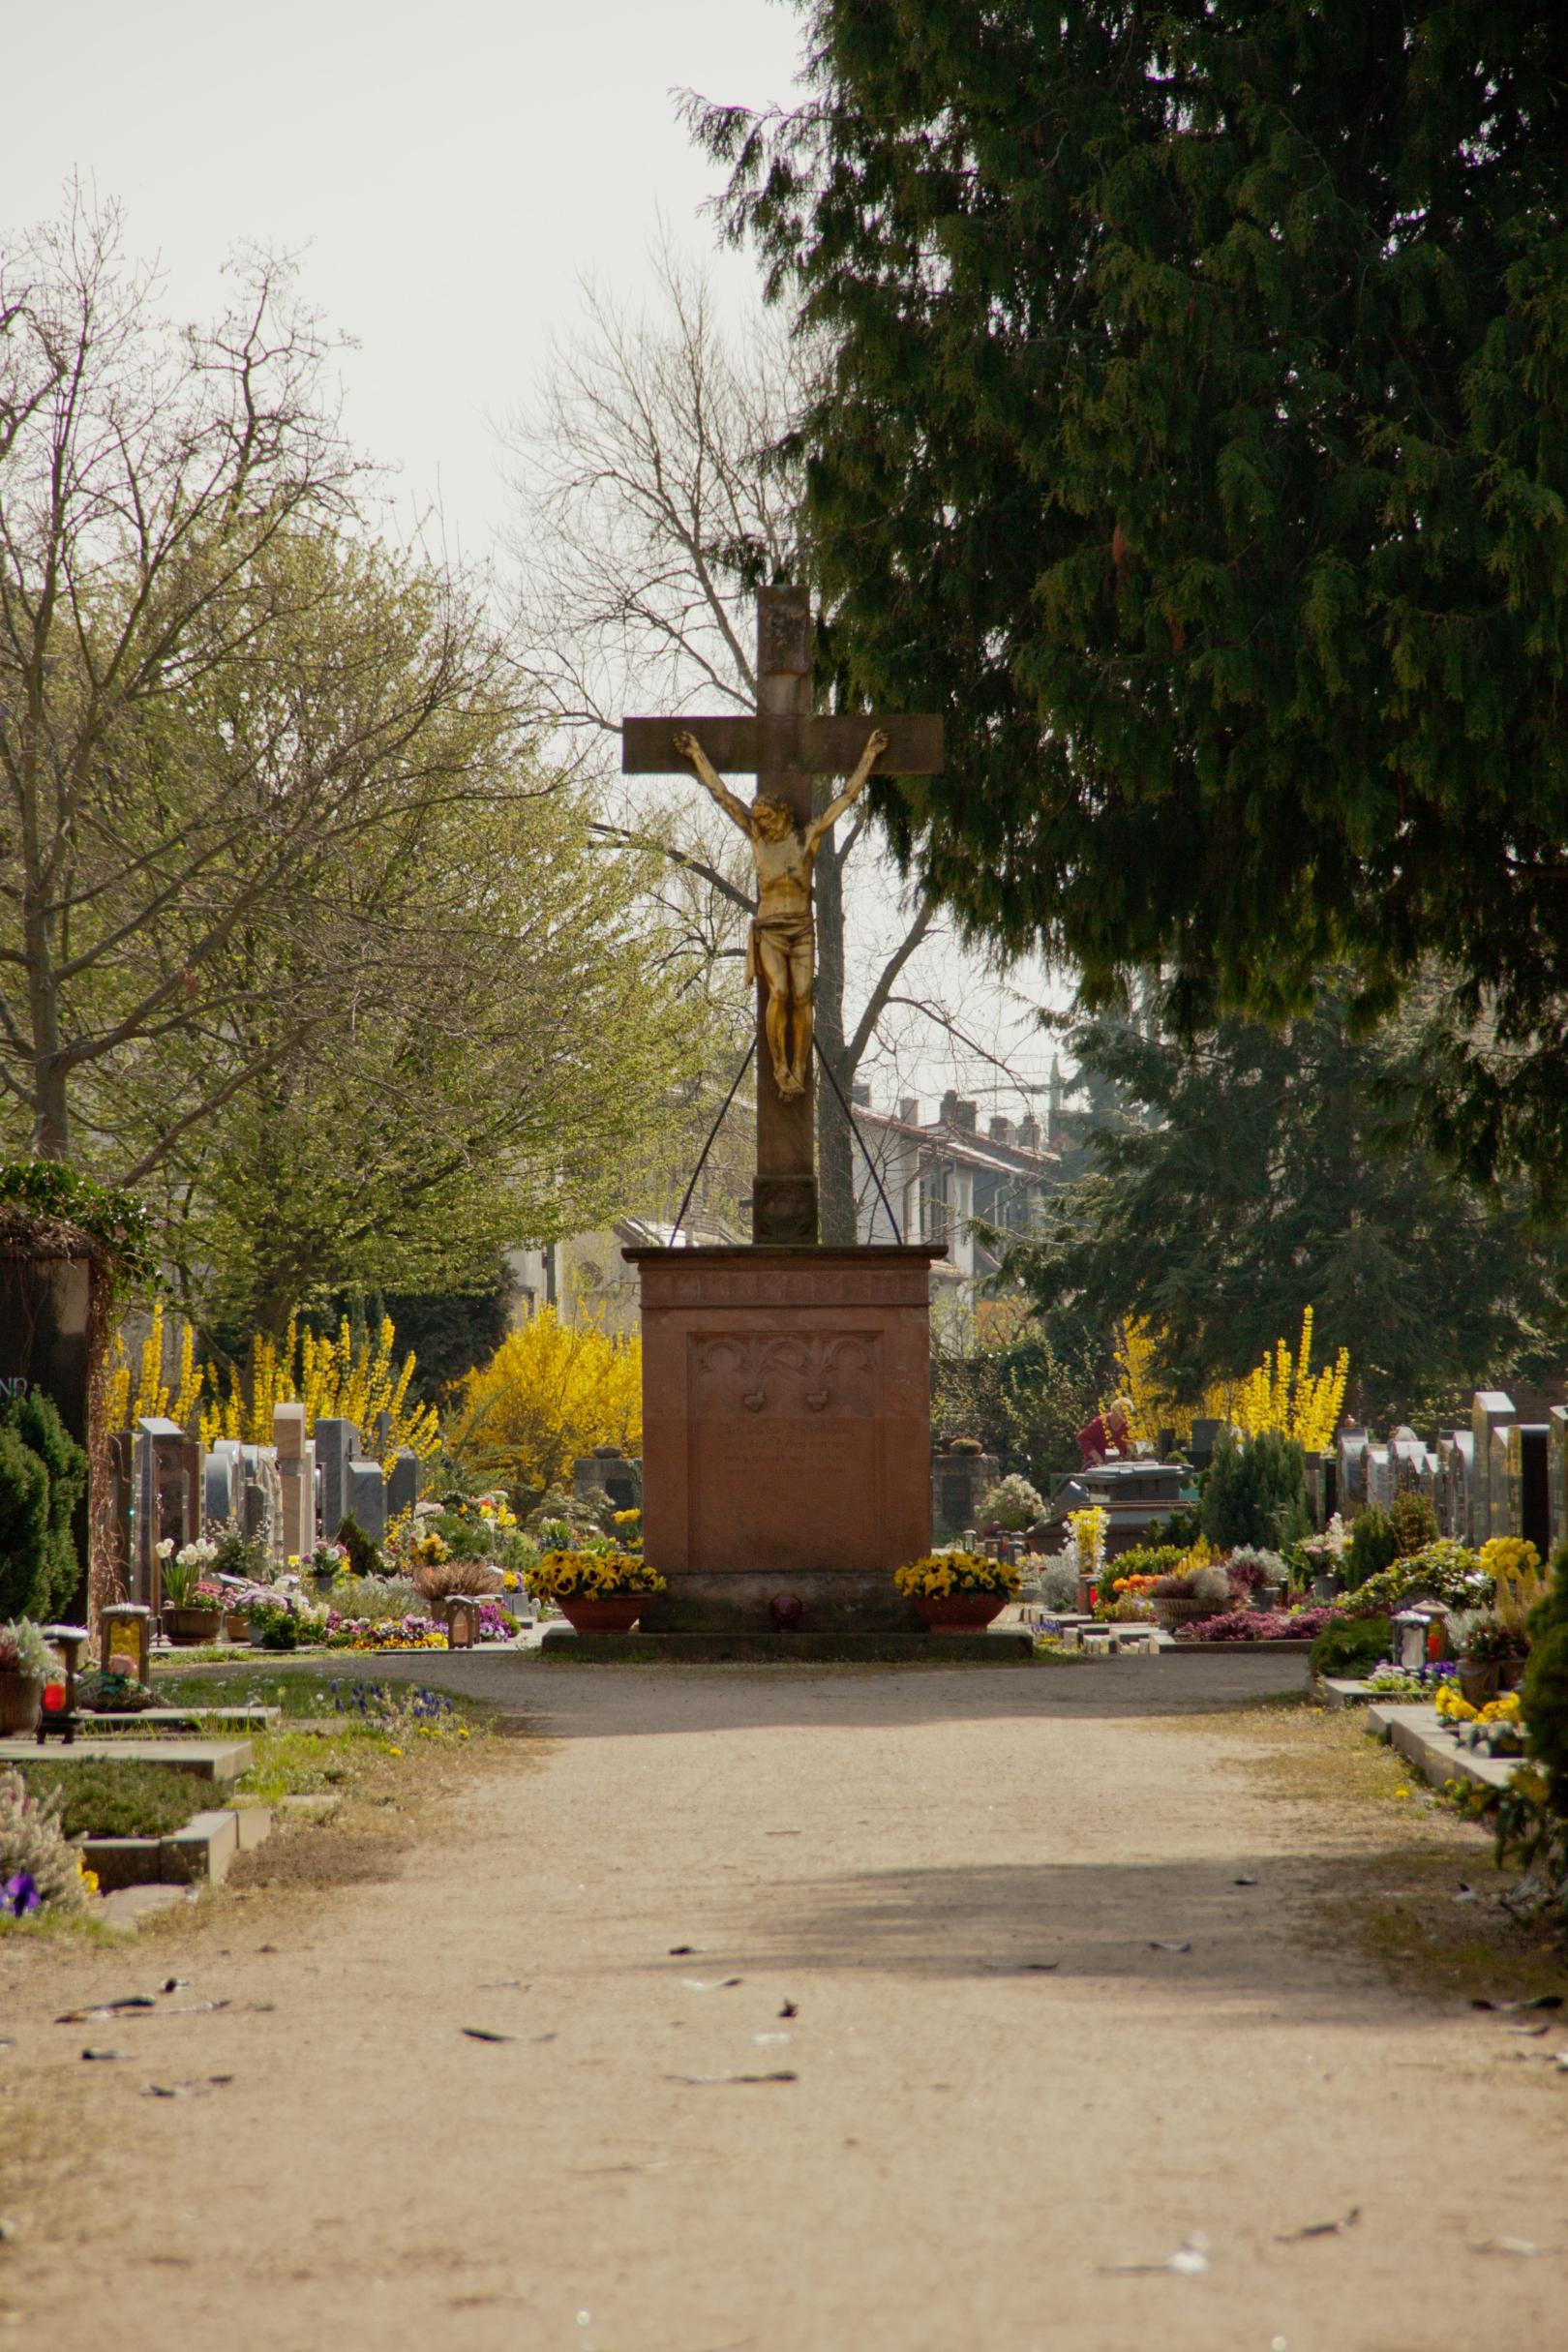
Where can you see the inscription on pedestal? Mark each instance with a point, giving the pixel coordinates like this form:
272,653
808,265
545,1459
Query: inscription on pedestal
786,1455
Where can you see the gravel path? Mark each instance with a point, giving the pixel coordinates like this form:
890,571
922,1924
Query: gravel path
928,2076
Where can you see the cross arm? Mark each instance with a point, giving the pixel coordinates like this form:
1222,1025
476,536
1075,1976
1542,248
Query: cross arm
801,746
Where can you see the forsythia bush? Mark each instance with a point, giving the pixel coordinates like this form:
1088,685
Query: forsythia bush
550,1391
347,1379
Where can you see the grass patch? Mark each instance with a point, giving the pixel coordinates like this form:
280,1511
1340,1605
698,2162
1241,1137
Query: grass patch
298,1692
105,1800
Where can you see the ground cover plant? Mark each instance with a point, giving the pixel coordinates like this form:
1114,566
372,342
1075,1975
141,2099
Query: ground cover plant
103,1797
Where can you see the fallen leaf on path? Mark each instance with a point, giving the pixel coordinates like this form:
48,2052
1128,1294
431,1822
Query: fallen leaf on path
177,1985
480,2034
1320,2229
188,2090
683,1951
204,2008
107,2008
1244,1881
789,2009
768,2040
715,1984
499,1984
1171,1947
709,2081
1189,2260
105,2053
1505,2008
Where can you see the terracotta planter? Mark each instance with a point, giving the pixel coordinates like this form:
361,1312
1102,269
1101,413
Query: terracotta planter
615,1612
20,1697
1170,1613
1478,1680
960,1611
186,1628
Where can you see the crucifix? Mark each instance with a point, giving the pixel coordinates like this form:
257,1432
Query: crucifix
784,747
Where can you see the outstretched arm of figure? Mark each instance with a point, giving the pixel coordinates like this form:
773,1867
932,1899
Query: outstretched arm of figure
707,776
876,745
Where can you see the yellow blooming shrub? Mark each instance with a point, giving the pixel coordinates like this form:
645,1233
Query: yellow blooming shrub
938,1574
1283,1394
341,1378
150,1395
550,1391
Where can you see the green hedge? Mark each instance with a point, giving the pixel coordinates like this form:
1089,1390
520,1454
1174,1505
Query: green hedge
43,1476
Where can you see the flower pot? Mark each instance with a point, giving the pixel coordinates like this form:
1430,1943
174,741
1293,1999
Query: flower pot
187,1627
20,1697
236,1625
1478,1680
959,1611
613,1612
1168,1614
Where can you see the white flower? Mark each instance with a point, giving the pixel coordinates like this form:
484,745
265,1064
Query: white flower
165,1548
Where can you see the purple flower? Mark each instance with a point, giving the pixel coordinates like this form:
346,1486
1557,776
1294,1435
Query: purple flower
20,1895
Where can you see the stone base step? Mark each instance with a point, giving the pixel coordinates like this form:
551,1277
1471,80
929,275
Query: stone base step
991,1645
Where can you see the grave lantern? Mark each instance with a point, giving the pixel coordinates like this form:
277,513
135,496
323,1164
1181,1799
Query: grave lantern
1411,1634
125,1639
462,1620
57,1715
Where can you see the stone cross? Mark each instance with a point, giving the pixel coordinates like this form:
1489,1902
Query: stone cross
784,747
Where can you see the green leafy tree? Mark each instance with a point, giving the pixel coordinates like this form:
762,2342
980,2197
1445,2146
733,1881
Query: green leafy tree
1191,423
1264,1170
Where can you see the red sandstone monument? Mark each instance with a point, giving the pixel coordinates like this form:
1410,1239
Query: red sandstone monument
786,1387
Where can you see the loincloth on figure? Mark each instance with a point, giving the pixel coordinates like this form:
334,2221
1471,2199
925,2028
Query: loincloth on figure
791,932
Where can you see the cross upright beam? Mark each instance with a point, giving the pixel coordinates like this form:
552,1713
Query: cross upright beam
784,747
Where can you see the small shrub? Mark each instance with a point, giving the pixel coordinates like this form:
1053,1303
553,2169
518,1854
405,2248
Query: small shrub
364,1557
1011,1504
1414,1523
1256,1490
37,1870
107,1799
1058,1582
439,1580
375,1596
1373,1546
1350,1646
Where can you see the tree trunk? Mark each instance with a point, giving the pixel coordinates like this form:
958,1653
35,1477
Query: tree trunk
835,1147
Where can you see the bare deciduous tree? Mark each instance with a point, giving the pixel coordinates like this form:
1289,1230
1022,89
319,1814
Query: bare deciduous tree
649,515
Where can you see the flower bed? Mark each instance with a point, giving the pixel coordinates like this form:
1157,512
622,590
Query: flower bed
384,1633
1260,1625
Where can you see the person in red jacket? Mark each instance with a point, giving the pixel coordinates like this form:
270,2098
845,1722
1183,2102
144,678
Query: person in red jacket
1108,1438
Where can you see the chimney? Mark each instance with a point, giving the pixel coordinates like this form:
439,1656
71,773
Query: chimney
1029,1134
1001,1129
958,1113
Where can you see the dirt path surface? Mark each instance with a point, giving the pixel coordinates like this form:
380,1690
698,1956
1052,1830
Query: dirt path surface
949,1900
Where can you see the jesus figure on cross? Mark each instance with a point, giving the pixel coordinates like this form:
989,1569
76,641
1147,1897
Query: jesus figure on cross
781,945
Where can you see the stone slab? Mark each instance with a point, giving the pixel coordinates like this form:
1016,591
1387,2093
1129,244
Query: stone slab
199,1854
208,1758
1009,1645
1416,1733
1339,1693
132,1906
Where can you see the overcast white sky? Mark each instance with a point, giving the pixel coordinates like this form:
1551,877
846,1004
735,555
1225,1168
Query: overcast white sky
449,175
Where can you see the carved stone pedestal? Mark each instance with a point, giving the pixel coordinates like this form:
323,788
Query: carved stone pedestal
786,1434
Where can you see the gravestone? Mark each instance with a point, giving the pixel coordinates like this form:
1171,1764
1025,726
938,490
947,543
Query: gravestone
262,1510
606,1471
367,1499
1455,1452
401,1483
1379,1477
337,1443
959,1480
1490,1411
1528,1476
222,1484
1558,1476
164,1506
1203,1441
1352,1457
296,1476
